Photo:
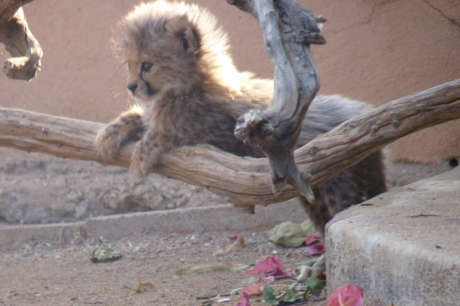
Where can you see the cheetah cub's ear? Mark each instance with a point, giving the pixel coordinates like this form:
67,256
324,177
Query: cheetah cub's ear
185,34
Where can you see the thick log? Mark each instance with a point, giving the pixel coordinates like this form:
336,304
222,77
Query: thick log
246,181
19,41
288,30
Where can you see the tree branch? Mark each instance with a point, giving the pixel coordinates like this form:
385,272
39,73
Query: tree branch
246,181
288,30
19,41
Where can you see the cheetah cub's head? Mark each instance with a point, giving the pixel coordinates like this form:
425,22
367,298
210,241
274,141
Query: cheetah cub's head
173,46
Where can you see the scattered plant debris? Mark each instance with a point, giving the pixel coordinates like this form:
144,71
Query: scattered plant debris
347,295
289,234
143,286
270,266
244,300
209,267
235,241
103,253
315,246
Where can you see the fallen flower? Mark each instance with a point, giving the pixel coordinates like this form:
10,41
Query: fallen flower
244,300
270,266
348,295
316,249
313,239
252,290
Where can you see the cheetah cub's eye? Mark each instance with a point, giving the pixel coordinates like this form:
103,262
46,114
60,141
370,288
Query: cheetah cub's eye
146,66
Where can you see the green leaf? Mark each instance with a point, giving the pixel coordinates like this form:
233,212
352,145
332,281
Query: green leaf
308,262
291,296
315,285
269,296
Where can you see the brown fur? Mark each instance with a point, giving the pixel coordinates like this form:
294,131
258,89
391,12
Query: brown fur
183,78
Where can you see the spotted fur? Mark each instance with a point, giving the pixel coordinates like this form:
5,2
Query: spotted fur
183,78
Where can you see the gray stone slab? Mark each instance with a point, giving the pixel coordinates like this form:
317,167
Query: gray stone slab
206,219
114,227
402,247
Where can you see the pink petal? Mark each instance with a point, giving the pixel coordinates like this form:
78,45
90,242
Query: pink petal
348,295
312,239
244,300
270,266
316,249
233,238
252,290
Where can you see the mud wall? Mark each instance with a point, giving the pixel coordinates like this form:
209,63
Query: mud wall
377,50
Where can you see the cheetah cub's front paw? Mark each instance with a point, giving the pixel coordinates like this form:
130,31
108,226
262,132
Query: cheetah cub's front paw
143,161
107,142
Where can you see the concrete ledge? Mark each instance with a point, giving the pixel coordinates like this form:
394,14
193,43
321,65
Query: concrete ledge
402,247
212,219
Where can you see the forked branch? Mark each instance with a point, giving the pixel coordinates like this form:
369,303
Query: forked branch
246,181
288,30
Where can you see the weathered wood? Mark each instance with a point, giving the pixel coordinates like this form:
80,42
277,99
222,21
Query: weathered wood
246,181
9,7
287,29
19,41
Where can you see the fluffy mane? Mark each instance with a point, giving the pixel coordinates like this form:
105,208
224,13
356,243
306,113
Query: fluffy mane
146,20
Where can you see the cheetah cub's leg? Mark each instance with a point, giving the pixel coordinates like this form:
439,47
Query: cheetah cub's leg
125,128
147,153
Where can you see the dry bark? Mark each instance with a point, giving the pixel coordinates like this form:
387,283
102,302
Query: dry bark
19,41
246,181
288,30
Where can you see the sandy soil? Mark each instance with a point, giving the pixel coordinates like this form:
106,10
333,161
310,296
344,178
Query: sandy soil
40,189
40,275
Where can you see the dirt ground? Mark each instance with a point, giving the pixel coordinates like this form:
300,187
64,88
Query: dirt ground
40,189
40,275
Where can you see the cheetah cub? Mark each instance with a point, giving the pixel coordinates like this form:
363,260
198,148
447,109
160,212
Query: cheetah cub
188,91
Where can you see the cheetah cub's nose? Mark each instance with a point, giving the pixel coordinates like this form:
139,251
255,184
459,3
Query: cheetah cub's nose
132,88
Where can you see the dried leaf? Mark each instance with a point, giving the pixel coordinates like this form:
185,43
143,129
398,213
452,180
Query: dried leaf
291,296
103,253
141,287
288,234
270,266
348,295
201,268
244,300
226,247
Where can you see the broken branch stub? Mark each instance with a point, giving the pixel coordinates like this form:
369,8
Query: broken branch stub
19,41
288,30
